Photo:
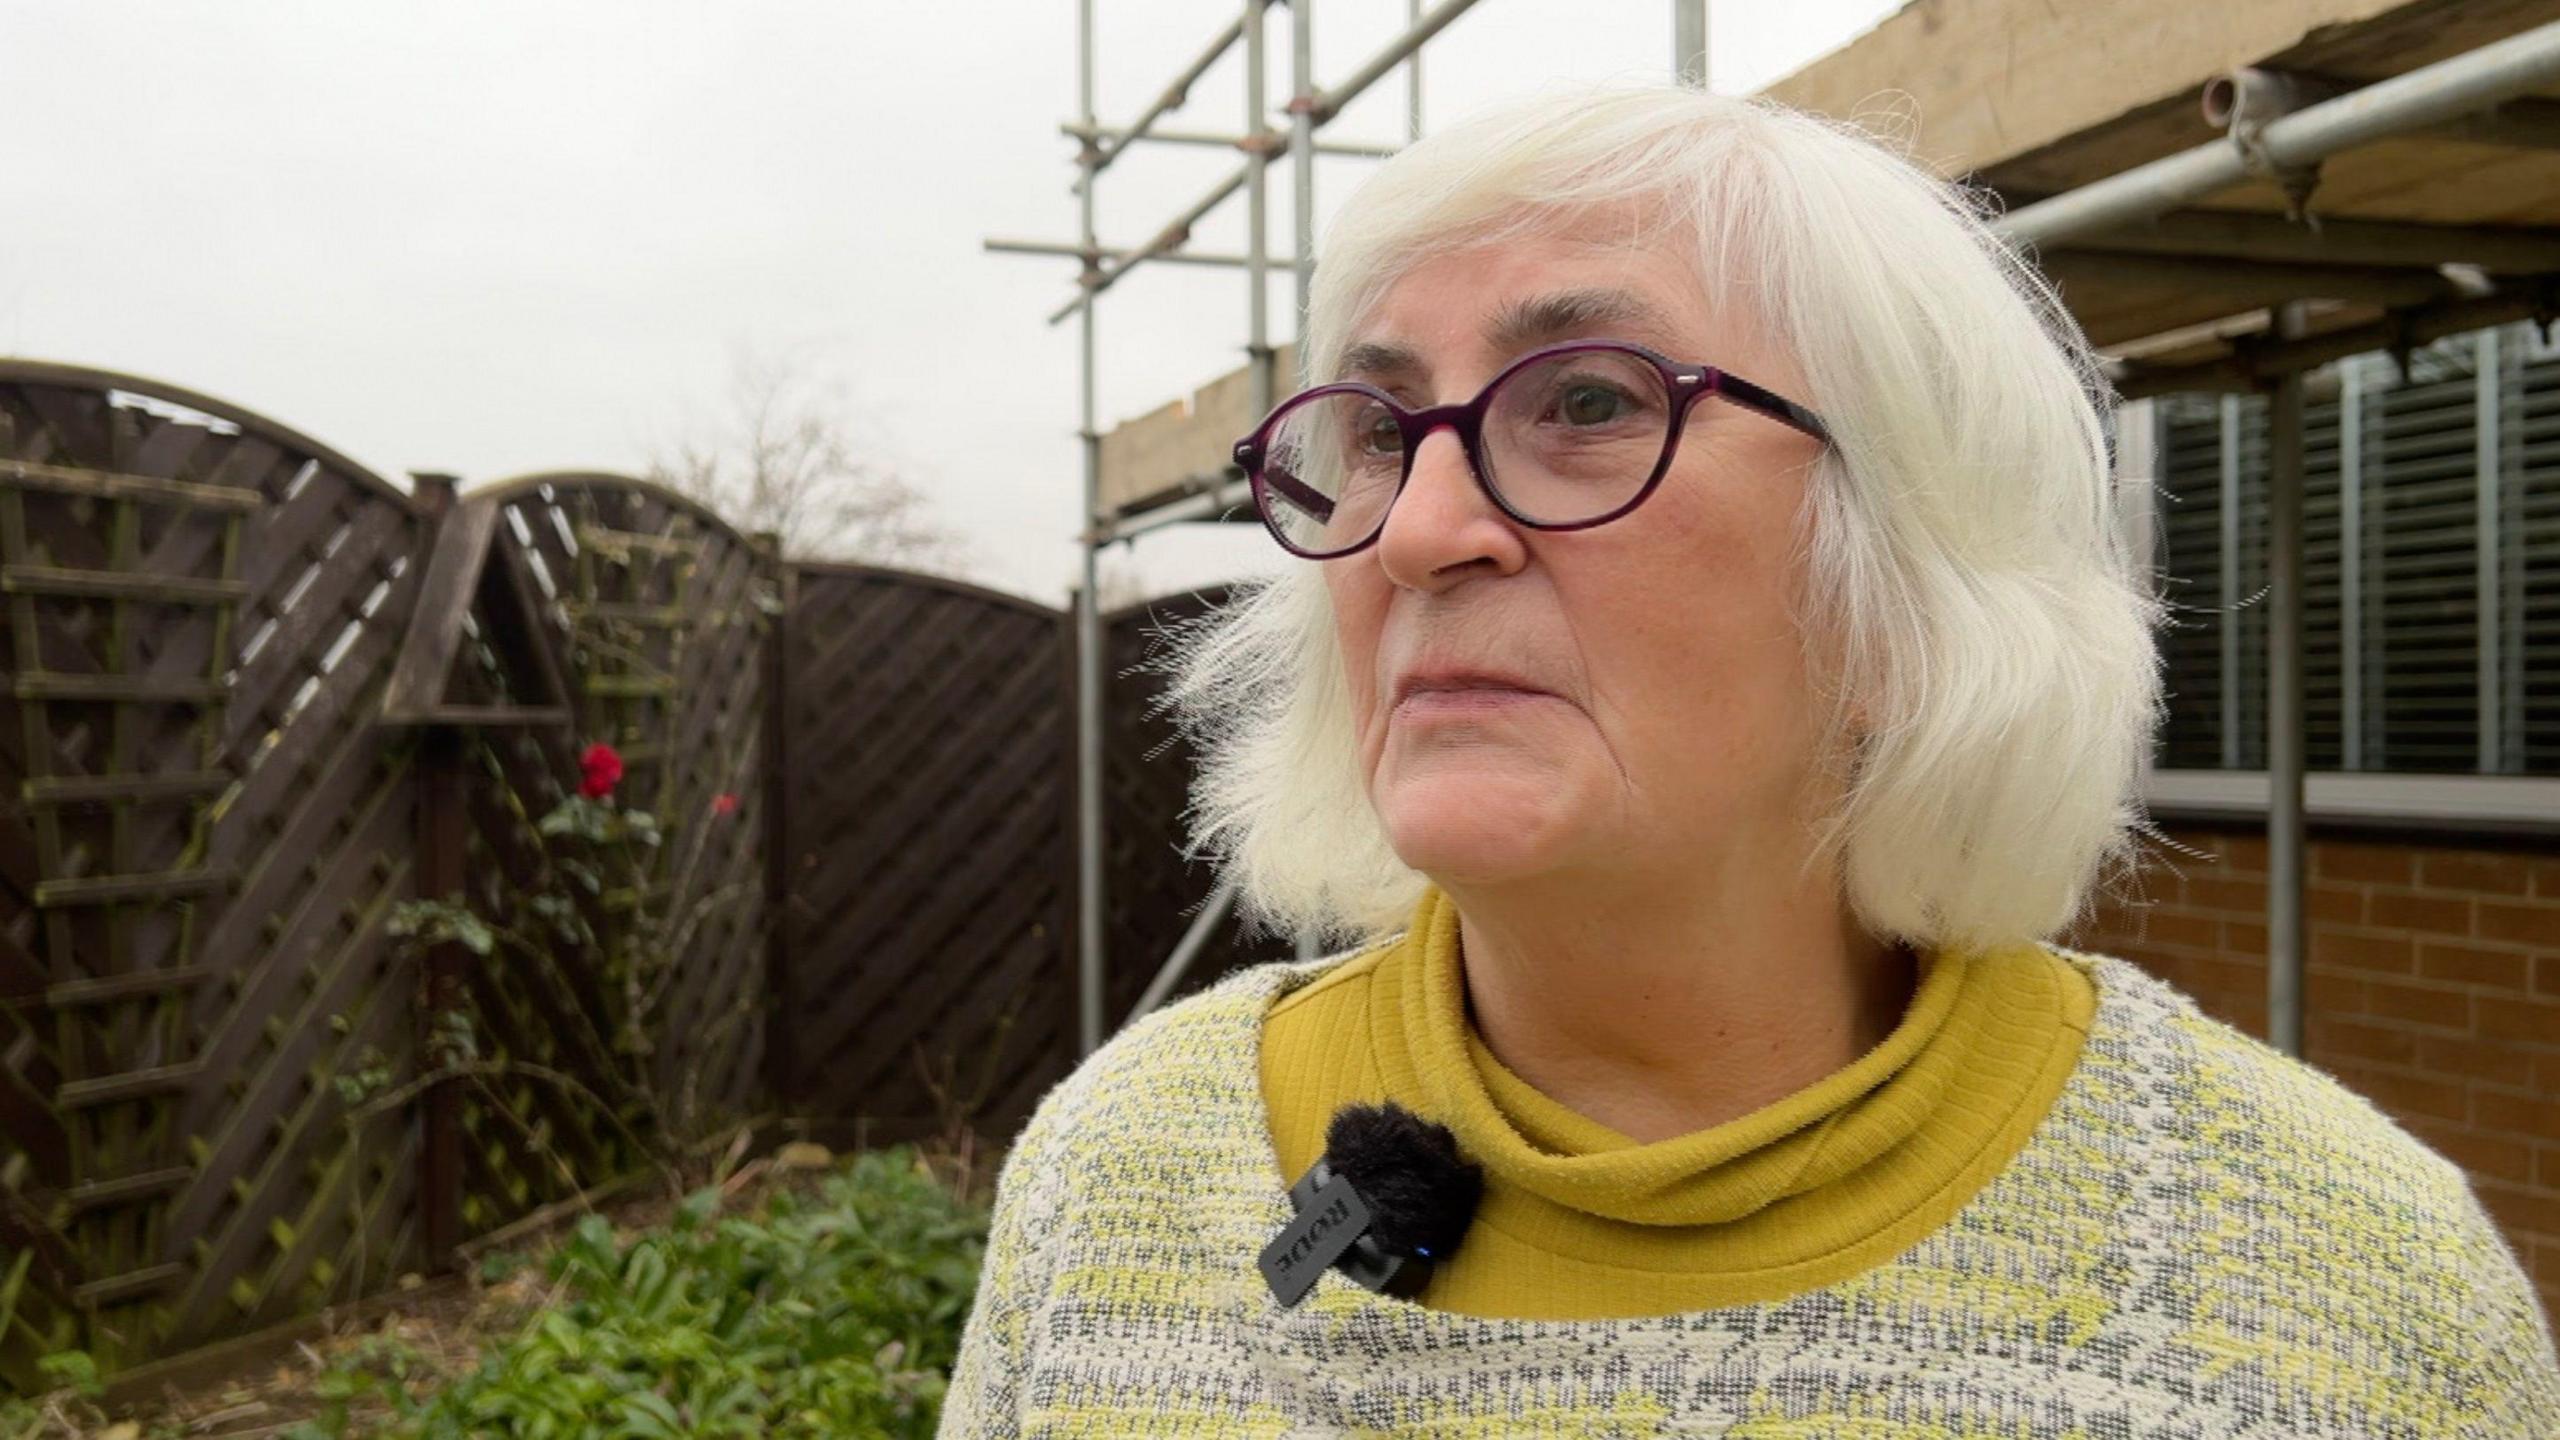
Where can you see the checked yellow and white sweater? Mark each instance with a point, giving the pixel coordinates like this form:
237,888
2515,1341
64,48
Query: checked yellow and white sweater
2201,1238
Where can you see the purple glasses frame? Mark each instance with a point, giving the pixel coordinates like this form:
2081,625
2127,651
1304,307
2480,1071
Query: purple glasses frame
1685,384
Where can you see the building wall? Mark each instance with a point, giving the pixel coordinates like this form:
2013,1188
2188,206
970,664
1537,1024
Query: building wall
2433,988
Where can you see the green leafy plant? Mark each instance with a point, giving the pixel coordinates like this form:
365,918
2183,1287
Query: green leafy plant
831,1315
592,919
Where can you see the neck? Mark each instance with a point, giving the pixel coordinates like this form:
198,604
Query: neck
1663,1004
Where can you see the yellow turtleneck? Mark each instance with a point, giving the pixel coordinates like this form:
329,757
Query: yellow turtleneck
1581,1222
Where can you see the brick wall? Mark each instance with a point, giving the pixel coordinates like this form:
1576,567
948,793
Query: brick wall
2433,988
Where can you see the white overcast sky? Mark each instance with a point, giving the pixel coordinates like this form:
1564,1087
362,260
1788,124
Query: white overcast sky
492,238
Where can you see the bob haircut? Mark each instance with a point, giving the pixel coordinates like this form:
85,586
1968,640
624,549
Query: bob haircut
1986,645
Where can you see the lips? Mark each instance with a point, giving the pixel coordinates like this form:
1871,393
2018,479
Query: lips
1459,681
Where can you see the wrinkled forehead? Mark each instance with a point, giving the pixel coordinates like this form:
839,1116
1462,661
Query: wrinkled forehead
1455,316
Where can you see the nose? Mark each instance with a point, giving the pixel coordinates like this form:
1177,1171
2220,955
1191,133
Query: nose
1443,528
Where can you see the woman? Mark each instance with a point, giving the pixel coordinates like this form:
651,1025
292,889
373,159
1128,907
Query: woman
1713,668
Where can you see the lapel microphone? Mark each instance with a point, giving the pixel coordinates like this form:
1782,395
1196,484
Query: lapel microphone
1389,1196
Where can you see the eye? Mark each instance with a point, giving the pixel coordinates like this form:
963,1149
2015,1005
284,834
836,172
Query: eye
1589,402
1378,434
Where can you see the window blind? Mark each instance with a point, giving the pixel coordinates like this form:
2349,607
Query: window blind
2431,566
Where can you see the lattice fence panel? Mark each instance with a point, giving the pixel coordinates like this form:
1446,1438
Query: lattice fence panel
208,832
928,862
1152,892
656,618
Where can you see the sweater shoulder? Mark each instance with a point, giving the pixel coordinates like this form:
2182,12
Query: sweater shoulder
1194,1056
2262,1165
2235,1090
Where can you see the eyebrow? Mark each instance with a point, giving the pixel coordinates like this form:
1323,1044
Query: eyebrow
1523,325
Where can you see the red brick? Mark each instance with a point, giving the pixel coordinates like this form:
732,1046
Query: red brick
2395,954
2481,871
2495,1062
2546,879
2534,1022
2487,1157
2170,927
2546,1168
2334,992
2525,922
2471,965
2379,864
2235,852
2244,937
2420,1005
2498,1112
2327,1036
2407,910
2546,1072
2332,903
2409,1095
2546,974
2213,892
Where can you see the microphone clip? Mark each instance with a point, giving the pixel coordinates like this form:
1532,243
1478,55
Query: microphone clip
1335,1229
1389,1196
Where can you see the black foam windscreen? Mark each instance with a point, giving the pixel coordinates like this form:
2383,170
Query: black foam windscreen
1421,1192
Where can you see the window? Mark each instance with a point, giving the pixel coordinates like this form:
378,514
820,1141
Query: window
2431,566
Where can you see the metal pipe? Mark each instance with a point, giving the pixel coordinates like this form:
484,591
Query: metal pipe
1219,259
1261,383
2284,698
1302,164
2430,95
1089,837
1165,239
1303,118
2489,401
1689,42
1329,103
2351,381
1246,141
2258,364
1318,110
1412,78
1214,500
1171,98
1194,940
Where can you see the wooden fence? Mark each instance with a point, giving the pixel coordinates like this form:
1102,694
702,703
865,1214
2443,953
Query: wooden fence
296,996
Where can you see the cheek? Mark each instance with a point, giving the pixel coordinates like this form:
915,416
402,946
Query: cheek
1692,645
1359,599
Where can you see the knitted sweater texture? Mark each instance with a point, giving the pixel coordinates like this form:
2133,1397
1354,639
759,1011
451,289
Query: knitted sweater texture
2202,1239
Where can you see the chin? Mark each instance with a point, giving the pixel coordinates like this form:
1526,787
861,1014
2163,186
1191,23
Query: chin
1474,828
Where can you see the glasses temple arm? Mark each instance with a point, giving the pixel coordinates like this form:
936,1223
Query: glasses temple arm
1300,494
1771,402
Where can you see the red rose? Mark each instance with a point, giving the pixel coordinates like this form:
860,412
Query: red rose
602,767
724,803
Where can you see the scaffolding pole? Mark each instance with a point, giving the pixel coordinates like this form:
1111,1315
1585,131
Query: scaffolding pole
1689,42
2284,698
1089,856
2430,95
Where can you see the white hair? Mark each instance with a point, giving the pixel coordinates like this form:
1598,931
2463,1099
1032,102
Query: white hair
1986,640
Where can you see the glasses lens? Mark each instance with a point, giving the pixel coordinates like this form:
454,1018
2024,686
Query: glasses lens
1575,436
1329,471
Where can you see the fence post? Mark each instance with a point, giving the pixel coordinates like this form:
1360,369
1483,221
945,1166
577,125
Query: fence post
443,840
781,1056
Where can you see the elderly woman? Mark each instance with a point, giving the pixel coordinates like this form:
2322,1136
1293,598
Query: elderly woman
1710,668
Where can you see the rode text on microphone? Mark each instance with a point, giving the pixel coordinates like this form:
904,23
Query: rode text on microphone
1389,1196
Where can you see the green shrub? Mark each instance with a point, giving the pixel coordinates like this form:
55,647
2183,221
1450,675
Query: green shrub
829,1316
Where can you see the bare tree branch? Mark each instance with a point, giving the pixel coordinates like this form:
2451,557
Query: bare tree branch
789,461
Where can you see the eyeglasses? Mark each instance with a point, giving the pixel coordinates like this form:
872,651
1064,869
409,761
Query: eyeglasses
1565,438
